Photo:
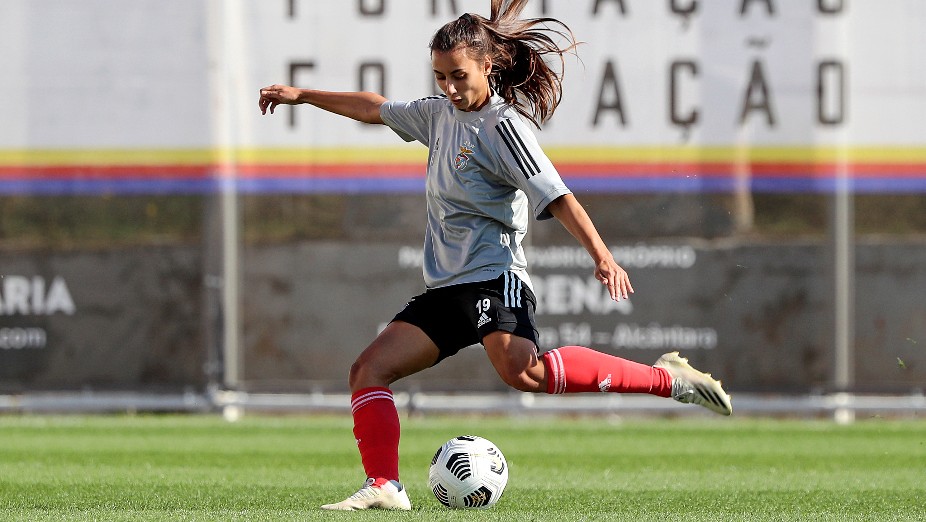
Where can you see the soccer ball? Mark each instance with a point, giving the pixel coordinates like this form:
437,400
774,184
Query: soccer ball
468,472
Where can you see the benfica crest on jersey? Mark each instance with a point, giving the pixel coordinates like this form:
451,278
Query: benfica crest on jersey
460,160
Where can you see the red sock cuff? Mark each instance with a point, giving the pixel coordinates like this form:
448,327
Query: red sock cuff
363,397
556,373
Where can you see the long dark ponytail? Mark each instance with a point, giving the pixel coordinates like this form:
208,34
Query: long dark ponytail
519,49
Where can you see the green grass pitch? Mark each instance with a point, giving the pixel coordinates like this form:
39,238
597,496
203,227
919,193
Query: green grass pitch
200,467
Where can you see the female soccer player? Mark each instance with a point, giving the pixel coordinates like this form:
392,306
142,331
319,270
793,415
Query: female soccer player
486,176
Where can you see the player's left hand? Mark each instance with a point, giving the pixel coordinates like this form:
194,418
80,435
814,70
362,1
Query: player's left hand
615,278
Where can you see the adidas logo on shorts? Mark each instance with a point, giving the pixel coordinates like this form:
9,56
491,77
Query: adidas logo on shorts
483,320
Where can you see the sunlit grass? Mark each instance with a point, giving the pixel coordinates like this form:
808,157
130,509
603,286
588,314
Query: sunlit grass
283,468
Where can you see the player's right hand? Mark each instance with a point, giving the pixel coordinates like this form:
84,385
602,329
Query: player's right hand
275,95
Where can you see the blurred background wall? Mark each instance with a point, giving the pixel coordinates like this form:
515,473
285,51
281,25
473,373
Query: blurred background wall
758,167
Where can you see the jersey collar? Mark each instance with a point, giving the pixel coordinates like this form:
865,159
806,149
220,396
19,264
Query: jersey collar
470,116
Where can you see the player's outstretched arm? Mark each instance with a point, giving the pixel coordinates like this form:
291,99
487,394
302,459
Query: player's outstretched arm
571,214
360,106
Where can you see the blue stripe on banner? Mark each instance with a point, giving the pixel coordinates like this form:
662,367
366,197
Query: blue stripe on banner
95,187
759,185
380,185
878,185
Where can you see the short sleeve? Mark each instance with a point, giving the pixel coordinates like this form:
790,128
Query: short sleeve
527,167
411,120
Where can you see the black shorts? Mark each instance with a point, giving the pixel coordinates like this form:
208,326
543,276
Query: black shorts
458,316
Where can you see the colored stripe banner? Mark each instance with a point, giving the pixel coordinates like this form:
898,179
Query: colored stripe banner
403,171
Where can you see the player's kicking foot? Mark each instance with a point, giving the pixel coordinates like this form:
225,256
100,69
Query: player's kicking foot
375,494
693,387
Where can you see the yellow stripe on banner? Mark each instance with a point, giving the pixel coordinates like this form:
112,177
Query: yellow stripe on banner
282,156
397,155
80,157
116,157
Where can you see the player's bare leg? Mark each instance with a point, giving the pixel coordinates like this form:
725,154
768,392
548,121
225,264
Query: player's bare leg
516,361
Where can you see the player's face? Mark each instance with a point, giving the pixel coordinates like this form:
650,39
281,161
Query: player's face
464,80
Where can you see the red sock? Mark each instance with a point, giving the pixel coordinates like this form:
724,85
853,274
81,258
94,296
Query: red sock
575,369
376,428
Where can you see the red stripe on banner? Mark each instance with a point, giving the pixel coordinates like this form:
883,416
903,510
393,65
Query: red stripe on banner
108,172
338,170
726,169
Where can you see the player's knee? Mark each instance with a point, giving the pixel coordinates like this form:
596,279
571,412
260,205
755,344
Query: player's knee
353,374
359,375
365,373
520,381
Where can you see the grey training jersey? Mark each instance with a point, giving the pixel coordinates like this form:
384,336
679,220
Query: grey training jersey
486,176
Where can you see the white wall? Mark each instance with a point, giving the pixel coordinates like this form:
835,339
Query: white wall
136,73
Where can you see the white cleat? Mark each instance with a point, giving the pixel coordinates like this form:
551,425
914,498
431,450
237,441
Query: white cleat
693,387
373,495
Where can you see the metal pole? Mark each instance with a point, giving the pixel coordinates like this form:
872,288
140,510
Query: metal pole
844,269
228,78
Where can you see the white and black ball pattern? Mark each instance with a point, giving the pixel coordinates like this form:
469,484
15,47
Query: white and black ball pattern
468,472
